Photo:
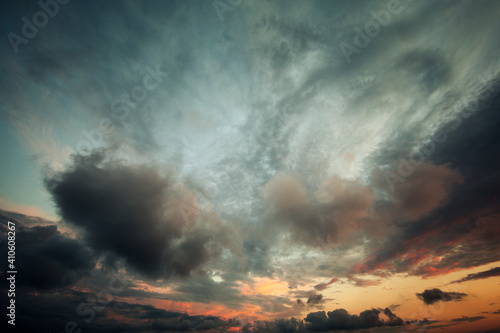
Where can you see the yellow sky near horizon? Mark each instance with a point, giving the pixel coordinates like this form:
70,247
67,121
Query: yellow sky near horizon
399,291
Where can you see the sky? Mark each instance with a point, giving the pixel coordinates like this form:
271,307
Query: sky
251,166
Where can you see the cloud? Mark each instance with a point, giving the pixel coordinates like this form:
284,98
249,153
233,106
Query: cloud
393,319
441,326
135,214
481,275
323,286
468,319
335,210
340,319
431,296
58,310
206,290
47,258
315,300
26,220
427,188
342,212
428,67
362,282
24,212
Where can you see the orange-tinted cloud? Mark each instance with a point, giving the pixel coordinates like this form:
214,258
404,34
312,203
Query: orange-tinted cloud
323,286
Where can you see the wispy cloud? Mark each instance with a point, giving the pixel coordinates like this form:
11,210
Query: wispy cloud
481,275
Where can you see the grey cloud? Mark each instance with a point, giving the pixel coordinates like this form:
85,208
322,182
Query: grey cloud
340,319
431,296
430,68
279,325
335,211
135,214
47,258
206,290
55,314
256,253
315,299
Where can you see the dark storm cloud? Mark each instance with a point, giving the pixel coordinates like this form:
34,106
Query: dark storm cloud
52,311
168,320
431,296
47,258
279,326
340,319
481,275
135,214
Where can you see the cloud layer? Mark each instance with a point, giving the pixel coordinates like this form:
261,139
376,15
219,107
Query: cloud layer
237,162
47,258
340,319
